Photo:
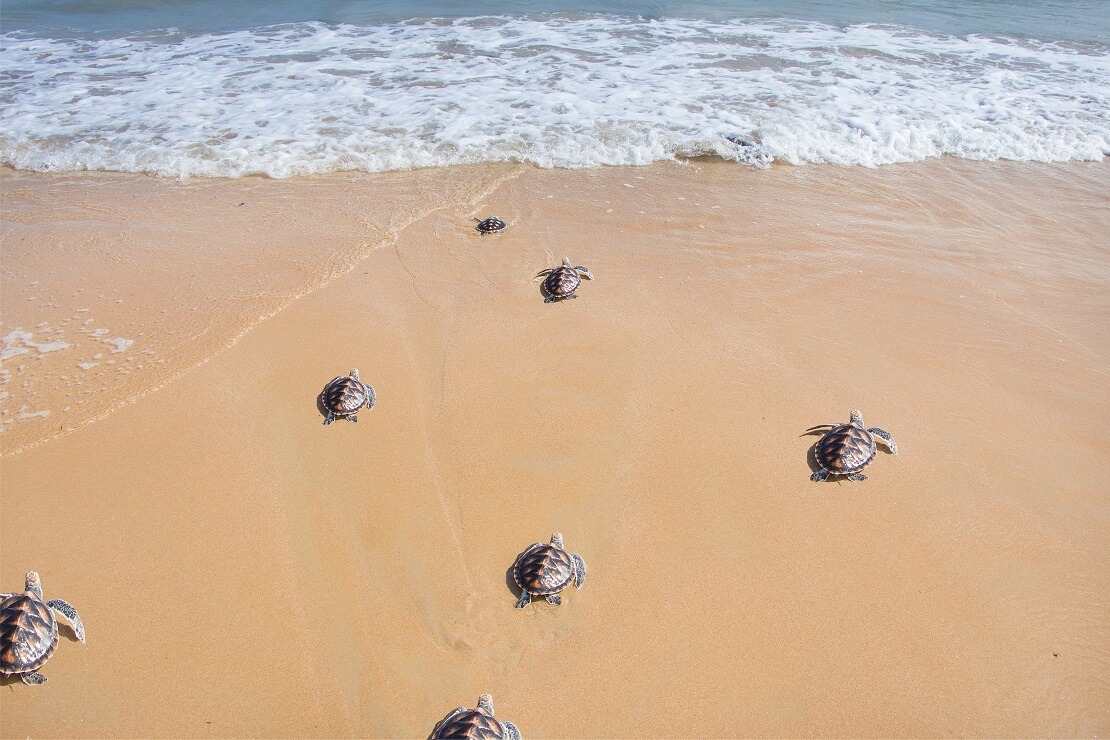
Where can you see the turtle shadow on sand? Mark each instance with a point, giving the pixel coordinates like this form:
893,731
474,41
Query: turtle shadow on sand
811,452
320,405
510,581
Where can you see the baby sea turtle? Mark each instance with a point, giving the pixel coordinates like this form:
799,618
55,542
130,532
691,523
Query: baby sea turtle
545,570
490,225
846,449
561,282
475,724
345,396
29,632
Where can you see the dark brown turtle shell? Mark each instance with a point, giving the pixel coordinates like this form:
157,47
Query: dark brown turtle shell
28,633
562,281
472,724
344,396
490,225
846,448
543,570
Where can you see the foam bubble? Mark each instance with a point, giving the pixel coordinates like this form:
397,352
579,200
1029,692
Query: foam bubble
557,92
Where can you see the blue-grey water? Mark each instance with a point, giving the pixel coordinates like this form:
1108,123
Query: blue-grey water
286,87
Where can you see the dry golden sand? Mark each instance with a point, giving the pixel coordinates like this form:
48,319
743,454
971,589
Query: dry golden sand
243,570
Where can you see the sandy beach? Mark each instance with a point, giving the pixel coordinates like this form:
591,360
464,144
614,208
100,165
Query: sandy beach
243,570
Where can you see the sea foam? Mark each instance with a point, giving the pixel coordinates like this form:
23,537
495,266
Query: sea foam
557,91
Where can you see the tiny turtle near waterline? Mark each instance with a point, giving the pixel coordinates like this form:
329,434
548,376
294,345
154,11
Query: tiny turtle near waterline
345,396
490,225
475,724
846,449
560,282
29,631
545,570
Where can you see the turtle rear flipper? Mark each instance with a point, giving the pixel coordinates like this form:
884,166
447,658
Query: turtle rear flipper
31,678
820,476
70,614
524,600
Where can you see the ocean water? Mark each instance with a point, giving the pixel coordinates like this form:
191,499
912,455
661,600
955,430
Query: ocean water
201,88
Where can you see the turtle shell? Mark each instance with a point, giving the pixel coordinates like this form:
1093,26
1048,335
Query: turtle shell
543,570
28,633
472,724
490,225
344,395
562,281
845,449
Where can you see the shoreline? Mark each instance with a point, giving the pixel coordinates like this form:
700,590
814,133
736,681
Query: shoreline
291,579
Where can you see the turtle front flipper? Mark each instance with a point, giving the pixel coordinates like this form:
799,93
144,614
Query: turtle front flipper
70,614
524,600
31,678
543,273
549,299
352,417
856,476
820,476
511,732
579,570
884,435
371,396
554,599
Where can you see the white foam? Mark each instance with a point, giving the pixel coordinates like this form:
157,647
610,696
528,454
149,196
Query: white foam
119,344
19,342
52,347
558,92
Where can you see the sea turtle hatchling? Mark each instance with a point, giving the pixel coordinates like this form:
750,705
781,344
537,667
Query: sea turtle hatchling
345,396
846,449
545,570
490,225
475,724
560,282
29,631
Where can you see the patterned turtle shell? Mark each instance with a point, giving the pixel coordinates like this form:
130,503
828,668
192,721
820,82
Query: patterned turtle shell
475,724
845,449
543,570
490,225
472,724
345,395
28,633
562,281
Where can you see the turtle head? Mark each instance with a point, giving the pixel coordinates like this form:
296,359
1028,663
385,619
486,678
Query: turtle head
566,263
485,703
354,374
857,418
33,584
584,272
557,540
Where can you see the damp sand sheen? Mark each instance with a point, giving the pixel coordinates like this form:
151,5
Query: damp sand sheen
244,570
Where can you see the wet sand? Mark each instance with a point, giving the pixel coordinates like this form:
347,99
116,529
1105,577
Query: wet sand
243,570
